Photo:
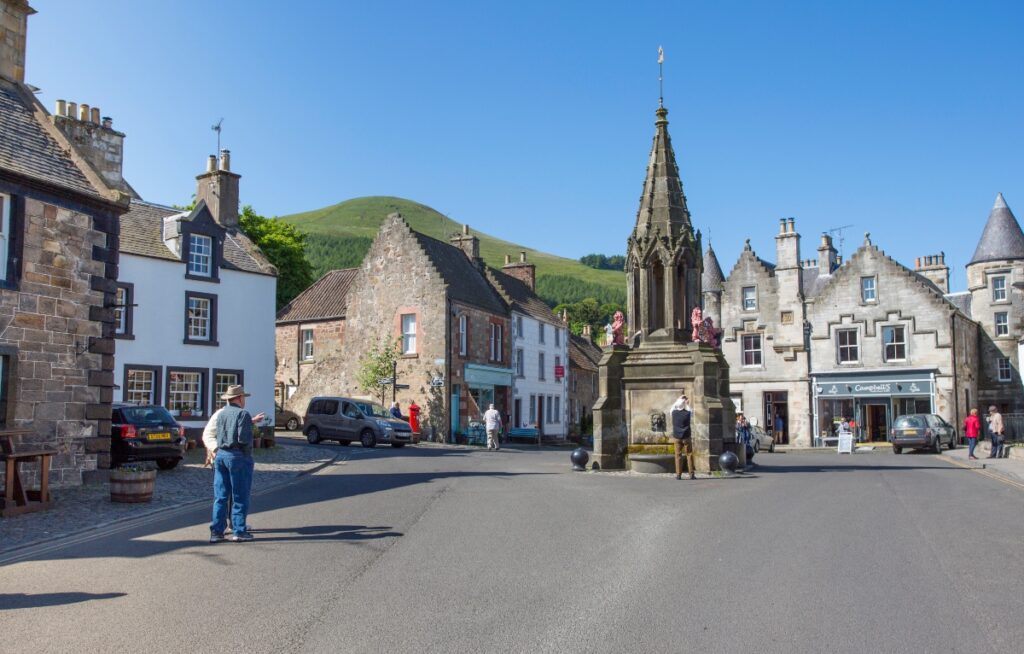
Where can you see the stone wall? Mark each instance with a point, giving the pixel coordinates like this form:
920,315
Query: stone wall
13,29
328,336
478,352
991,347
55,330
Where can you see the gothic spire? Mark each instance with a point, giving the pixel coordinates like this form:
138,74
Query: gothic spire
1002,237
662,206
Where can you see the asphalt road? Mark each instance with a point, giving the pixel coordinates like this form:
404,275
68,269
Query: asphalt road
447,550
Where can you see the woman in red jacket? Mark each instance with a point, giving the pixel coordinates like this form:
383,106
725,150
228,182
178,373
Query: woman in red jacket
972,428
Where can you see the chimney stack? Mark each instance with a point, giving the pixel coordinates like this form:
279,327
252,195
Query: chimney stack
828,259
218,187
468,244
13,36
523,271
94,139
787,245
934,269
587,332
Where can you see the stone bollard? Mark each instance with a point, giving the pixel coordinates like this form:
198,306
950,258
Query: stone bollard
579,458
727,462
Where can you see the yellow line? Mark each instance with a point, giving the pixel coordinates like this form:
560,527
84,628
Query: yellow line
982,471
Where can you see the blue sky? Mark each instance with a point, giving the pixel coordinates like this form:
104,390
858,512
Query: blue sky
532,121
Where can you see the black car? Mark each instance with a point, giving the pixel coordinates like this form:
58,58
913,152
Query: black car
922,431
146,433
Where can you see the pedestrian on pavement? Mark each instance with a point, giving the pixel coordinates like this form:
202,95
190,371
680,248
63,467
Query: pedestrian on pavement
232,465
682,435
396,411
414,416
779,426
995,430
492,422
743,436
972,427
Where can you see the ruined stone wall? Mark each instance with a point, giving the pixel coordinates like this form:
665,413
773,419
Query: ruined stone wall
56,334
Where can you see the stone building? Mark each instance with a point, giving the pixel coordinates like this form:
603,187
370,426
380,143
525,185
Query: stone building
310,325
583,359
540,351
58,268
812,341
432,299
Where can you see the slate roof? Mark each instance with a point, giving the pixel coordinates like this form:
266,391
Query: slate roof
1002,238
466,283
325,299
813,282
27,148
142,235
583,354
518,295
712,278
962,301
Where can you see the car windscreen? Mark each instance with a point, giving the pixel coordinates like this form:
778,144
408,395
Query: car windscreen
373,410
146,415
909,422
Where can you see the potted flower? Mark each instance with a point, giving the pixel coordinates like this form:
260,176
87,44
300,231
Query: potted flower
132,483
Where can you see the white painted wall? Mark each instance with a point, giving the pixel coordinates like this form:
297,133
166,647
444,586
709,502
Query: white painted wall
245,328
529,384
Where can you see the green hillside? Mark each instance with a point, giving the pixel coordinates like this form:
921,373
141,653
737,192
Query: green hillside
339,235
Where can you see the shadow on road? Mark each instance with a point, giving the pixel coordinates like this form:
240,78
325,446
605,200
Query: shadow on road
26,601
324,532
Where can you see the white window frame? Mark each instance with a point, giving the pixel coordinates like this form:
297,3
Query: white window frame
200,326
868,289
540,332
558,337
200,255
463,335
121,311
133,392
496,333
886,343
519,327
219,388
756,353
520,363
1004,369
306,341
748,298
408,322
1002,327
557,414
840,346
176,396
540,366
999,294
533,409
5,230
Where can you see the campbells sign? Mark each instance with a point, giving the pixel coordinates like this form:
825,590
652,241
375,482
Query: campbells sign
854,388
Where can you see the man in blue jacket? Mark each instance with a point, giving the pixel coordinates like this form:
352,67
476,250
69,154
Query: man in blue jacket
232,465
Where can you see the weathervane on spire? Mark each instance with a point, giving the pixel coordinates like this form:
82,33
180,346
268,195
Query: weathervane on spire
661,84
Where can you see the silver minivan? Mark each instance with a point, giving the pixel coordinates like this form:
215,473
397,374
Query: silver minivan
345,419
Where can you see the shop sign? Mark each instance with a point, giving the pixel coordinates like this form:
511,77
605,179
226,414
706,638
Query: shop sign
875,388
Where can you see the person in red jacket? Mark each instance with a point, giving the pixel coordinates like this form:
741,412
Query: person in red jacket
414,416
972,428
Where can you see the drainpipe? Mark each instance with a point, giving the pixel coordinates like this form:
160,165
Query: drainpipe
811,392
956,386
448,367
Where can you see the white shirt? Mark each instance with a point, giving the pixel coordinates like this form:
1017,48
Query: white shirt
492,418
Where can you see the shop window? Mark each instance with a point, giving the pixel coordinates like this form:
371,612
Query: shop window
847,348
831,413
749,298
1005,371
894,343
1002,323
867,290
999,289
751,350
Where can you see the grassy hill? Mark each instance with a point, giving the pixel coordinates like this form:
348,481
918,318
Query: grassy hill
339,235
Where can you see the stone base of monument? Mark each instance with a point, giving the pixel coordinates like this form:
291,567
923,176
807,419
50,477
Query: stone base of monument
652,464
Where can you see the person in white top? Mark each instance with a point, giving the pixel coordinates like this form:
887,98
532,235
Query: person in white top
492,421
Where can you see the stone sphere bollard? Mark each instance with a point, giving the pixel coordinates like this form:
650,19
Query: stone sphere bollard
579,458
728,461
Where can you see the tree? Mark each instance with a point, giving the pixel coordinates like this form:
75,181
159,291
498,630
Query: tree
376,364
284,247
589,312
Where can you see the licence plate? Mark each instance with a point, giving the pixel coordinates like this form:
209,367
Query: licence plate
161,436
910,432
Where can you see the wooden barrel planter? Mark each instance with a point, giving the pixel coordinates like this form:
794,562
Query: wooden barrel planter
132,486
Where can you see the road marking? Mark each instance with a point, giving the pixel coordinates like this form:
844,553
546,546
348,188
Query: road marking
982,471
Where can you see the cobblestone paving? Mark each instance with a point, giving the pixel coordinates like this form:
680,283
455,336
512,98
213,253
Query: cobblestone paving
88,506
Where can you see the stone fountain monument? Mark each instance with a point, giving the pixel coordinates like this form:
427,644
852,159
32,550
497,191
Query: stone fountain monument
670,347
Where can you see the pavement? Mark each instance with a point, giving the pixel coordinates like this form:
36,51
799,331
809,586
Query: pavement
453,549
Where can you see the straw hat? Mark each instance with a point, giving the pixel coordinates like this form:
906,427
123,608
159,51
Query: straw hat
234,391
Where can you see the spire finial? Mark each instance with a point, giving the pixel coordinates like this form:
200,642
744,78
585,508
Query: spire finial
661,84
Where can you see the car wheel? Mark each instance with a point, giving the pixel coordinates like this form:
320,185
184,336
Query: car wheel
952,442
344,443
313,436
367,439
397,445
771,447
896,449
757,446
937,445
167,464
292,424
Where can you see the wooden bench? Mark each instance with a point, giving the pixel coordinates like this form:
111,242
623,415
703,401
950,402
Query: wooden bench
526,433
16,499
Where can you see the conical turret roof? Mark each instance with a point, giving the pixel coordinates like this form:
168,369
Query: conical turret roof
662,205
711,279
1002,238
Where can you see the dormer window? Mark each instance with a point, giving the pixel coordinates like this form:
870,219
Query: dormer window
200,255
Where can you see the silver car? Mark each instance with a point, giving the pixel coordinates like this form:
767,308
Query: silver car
760,440
346,419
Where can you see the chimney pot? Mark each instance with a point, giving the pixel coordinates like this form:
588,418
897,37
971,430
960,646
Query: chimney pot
508,259
72,110
465,230
108,122
211,163
782,225
83,113
522,256
792,225
61,108
225,160
94,115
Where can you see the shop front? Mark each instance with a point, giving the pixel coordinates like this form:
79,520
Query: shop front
868,402
485,385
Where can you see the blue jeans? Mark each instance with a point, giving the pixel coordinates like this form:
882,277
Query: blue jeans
971,444
997,446
232,476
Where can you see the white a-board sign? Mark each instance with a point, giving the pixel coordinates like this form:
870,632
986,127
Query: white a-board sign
845,443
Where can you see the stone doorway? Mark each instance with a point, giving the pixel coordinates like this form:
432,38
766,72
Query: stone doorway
776,416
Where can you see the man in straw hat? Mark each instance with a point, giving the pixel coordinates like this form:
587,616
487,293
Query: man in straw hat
231,427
